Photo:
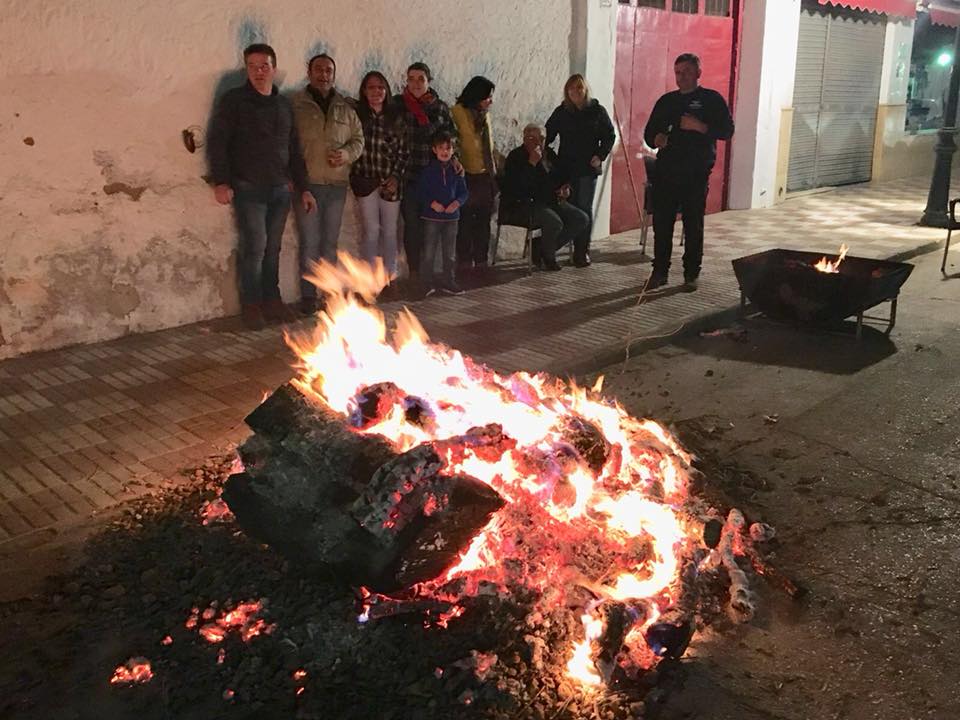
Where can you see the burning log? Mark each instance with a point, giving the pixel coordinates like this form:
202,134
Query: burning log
420,517
325,496
306,440
741,598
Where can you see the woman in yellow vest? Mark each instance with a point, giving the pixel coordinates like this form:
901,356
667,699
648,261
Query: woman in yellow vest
472,119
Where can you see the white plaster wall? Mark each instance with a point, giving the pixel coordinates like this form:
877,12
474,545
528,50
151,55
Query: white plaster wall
598,68
765,86
98,96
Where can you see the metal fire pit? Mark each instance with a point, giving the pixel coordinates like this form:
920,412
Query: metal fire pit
785,286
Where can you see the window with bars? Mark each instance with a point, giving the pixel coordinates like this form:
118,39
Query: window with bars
686,6
717,7
656,4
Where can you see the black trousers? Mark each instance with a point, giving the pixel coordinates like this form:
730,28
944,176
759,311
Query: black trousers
473,235
687,196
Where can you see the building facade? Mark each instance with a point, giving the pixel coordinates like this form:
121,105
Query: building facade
109,227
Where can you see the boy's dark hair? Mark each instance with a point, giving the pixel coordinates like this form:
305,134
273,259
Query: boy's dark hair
261,48
422,67
441,137
691,58
475,91
322,56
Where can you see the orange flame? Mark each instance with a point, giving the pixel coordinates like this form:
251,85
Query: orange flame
628,507
827,266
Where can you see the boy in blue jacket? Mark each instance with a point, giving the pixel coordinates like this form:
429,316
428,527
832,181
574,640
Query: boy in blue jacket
441,192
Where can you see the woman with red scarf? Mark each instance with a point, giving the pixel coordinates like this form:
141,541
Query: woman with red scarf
425,115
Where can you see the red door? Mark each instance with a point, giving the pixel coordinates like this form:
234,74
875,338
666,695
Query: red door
648,41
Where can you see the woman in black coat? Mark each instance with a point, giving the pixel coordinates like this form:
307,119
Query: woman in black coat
586,139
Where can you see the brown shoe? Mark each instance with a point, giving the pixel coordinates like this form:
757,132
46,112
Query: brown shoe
252,316
276,312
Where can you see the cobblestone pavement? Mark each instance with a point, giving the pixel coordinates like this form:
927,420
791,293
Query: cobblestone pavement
85,427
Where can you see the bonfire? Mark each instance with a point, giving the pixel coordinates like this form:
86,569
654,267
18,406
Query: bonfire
581,505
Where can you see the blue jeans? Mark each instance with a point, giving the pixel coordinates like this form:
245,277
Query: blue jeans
438,235
582,192
319,231
558,224
261,214
379,239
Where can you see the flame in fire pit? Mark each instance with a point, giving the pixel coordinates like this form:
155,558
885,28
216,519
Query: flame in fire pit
598,510
827,266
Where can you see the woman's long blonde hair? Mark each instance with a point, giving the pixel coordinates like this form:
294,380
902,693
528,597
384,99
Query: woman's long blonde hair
575,78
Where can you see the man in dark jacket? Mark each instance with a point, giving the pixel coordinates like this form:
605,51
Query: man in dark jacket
534,181
255,155
685,125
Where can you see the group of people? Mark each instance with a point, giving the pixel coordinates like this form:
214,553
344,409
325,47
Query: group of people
408,155
412,155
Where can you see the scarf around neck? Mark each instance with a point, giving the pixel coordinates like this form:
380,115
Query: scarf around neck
415,105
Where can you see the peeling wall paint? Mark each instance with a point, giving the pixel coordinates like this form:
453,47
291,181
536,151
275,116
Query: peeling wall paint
107,225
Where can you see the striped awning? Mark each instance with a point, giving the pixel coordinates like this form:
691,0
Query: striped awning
897,8
944,13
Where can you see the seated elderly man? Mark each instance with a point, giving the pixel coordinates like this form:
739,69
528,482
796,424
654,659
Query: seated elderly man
533,182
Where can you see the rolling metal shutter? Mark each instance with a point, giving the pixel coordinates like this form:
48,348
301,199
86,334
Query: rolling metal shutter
837,87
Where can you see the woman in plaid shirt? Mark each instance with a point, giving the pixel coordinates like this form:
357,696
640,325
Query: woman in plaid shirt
377,175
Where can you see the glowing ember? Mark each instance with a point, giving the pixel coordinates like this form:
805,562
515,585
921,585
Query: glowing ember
597,500
136,670
215,511
167,640
827,266
299,674
242,619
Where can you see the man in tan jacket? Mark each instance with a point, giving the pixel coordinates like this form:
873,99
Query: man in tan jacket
332,140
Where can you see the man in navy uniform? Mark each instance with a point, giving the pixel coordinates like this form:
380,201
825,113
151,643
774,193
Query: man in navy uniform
684,126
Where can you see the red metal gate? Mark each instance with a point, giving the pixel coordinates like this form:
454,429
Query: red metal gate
648,41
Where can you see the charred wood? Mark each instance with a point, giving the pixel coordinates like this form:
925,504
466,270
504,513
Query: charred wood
326,496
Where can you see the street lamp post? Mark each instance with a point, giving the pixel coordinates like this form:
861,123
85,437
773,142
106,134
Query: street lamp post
935,214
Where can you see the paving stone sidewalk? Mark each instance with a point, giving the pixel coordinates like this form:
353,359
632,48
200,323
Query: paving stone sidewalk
86,427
